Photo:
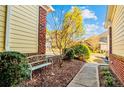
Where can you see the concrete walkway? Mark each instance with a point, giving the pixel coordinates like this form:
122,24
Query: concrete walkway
86,77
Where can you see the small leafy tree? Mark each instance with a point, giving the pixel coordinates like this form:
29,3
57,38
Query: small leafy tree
67,29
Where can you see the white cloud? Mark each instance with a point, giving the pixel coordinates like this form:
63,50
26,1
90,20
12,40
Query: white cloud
91,27
103,23
88,14
72,8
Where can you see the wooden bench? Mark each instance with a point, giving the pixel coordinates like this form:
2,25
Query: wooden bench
38,61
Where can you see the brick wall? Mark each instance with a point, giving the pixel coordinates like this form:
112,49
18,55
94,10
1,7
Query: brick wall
117,66
42,31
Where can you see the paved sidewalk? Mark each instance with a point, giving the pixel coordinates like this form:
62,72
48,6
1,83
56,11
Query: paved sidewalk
86,77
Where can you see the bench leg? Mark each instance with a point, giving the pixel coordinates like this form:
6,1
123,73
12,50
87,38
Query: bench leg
31,75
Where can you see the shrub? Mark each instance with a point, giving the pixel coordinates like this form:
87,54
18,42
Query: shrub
69,53
82,50
13,68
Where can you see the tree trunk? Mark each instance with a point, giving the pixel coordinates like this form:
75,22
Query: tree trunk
60,61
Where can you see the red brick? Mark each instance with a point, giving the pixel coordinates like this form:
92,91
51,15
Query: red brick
117,66
42,31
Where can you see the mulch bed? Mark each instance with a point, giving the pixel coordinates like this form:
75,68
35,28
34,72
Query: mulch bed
54,76
116,81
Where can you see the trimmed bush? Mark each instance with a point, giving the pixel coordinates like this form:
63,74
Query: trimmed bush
69,53
82,50
14,68
77,51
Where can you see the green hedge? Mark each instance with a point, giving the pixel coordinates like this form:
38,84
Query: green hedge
69,53
14,68
77,50
82,50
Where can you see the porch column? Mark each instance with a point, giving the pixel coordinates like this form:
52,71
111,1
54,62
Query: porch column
7,36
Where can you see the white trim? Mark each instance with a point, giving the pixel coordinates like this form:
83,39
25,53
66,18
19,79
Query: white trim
44,8
109,23
49,6
52,9
37,26
7,36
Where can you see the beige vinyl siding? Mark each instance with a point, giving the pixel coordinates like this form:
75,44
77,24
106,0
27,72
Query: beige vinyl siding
2,27
118,31
24,29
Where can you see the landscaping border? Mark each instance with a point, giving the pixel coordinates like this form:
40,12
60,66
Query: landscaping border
97,75
117,82
97,72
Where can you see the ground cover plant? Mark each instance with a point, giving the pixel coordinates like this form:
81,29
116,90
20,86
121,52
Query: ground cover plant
108,78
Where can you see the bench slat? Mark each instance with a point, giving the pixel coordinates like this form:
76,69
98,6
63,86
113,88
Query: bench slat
33,56
37,61
40,66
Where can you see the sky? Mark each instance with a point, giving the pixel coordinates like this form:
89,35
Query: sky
93,18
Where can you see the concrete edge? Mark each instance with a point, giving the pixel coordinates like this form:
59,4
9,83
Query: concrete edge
76,75
97,76
97,72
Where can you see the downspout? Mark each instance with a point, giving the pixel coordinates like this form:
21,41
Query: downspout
110,37
7,35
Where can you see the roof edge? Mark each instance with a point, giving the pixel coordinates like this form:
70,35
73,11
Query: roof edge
108,15
48,8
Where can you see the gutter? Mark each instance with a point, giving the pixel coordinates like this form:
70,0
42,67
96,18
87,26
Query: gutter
109,16
106,18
